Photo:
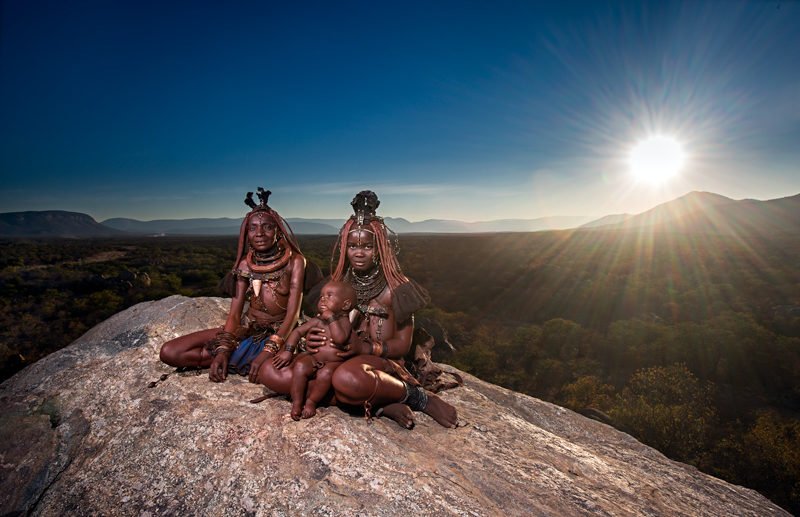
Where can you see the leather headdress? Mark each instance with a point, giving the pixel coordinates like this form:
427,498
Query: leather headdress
365,204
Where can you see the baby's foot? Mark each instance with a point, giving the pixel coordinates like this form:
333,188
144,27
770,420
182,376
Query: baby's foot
309,410
297,410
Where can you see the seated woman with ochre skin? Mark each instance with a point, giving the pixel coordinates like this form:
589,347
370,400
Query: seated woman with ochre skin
373,375
268,271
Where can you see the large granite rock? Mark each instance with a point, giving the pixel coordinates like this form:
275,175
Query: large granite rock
103,428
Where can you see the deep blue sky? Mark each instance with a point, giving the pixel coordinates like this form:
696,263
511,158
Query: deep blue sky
458,110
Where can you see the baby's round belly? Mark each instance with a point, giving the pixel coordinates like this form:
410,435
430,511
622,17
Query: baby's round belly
327,353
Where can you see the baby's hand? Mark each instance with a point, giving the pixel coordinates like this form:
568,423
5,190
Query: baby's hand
282,359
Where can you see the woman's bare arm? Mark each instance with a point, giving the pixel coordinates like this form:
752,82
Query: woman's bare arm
295,296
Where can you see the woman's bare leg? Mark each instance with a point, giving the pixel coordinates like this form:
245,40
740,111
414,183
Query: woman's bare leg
278,380
189,350
364,379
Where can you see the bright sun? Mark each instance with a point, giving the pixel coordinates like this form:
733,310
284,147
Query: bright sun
656,159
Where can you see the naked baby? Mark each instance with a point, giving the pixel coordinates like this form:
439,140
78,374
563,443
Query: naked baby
335,301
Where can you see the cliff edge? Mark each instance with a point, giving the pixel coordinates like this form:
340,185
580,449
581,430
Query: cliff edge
103,428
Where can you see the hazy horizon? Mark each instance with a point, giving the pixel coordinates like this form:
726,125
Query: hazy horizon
589,218
462,111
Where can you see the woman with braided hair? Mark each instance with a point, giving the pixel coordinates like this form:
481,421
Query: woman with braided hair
373,376
268,272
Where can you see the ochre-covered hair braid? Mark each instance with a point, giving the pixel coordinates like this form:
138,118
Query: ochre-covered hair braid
391,267
338,271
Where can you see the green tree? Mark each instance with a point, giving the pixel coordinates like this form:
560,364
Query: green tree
669,409
588,391
562,339
766,457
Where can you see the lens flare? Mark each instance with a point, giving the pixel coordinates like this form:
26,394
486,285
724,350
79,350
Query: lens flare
657,159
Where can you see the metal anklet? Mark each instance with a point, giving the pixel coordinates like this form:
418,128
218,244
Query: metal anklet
416,398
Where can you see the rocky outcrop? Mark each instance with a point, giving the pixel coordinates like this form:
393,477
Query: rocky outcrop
103,428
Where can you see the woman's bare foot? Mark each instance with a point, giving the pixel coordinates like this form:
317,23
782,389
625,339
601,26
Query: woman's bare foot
441,411
400,413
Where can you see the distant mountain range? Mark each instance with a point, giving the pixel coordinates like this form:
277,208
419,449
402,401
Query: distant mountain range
227,226
705,212
696,212
53,223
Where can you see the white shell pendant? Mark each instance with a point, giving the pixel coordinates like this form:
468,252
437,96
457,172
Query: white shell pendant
256,285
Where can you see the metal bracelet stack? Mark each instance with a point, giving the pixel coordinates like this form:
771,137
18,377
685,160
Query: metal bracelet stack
224,342
273,344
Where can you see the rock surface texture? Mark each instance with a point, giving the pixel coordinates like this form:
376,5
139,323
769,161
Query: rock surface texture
103,428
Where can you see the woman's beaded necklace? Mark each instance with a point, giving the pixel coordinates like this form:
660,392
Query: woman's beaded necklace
367,286
266,267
